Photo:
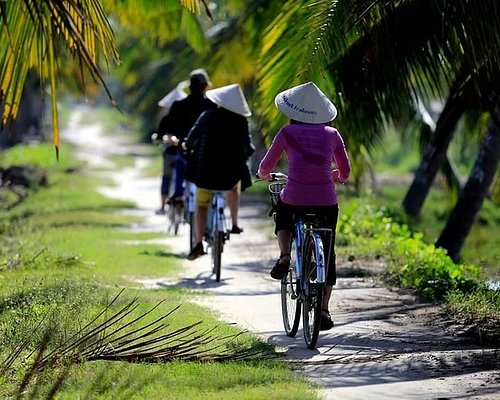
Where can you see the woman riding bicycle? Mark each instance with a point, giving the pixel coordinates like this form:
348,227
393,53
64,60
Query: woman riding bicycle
220,146
311,147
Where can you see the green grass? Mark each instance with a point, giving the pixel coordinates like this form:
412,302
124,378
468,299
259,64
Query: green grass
64,254
186,381
41,155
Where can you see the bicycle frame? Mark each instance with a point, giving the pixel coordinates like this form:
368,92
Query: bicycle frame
218,216
191,196
302,231
218,230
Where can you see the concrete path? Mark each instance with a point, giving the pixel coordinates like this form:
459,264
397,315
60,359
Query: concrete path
385,344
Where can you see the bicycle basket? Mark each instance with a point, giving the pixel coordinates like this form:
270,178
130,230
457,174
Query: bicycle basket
274,192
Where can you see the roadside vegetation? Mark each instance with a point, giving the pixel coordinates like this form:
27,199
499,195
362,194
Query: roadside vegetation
374,226
369,229
74,322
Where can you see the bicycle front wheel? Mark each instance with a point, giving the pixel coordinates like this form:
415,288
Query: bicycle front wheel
217,247
290,304
171,219
313,295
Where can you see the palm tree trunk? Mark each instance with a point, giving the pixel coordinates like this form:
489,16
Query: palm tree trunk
461,95
474,192
447,168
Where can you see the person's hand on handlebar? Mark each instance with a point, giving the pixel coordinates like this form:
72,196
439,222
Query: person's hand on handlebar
271,177
336,176
170,140
267,177
155,139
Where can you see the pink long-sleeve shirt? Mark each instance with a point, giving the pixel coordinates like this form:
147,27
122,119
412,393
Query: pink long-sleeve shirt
311,150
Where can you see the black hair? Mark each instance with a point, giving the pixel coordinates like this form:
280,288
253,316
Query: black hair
197,88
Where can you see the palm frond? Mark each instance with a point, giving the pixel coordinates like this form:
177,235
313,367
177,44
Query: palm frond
195,6
161,21
37,34
40,34
373,57
124,335
412,48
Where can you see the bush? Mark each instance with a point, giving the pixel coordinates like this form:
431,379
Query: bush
411,263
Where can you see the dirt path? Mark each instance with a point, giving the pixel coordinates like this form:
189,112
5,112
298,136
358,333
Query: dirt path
385,344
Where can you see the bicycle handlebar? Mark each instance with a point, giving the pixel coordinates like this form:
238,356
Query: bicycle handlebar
275,177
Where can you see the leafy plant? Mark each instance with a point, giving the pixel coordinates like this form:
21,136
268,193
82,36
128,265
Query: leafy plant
410,262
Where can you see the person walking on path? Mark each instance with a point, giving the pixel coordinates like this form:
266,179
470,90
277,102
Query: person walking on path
182,116
220,146
311,147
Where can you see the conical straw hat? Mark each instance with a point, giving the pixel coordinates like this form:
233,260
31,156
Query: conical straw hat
199,76
230,97
174,95
306,103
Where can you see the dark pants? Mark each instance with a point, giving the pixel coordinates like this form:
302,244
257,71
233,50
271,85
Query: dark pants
168,172
180,171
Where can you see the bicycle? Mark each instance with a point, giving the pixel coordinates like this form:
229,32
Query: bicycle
303,287
217,230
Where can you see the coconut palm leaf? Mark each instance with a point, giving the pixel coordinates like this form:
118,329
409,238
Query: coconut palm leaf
414,47
32,34
160,21
122,336
40,33
373,57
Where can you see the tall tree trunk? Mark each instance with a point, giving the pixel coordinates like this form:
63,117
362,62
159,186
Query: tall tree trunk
447,168
474,192
435,152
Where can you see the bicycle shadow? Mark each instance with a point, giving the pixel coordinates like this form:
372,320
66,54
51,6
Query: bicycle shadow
162,253
202,281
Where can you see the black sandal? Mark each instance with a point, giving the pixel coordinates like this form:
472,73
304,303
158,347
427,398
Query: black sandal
280,270
326,322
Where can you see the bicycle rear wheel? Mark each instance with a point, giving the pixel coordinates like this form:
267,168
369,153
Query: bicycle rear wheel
217,247
313,296
178,211
290,304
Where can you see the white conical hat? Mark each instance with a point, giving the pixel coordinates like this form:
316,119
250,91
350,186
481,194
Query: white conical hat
177,94
306,103
199,75
230,97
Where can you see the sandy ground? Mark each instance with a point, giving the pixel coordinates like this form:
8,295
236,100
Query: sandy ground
385,344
